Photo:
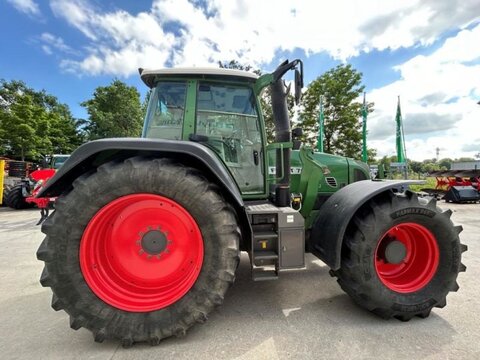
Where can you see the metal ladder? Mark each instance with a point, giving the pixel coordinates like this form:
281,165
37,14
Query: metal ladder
264,250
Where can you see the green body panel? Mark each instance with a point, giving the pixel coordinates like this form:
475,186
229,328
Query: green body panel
189,118
262,82
310,171
314,175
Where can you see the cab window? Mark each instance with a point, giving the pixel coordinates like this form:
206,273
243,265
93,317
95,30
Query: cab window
166,112
227,117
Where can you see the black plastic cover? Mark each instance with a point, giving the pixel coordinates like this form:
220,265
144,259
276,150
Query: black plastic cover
334,216
458,194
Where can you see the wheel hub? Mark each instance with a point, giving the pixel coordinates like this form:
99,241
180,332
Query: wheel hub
406,257
395,252
154,242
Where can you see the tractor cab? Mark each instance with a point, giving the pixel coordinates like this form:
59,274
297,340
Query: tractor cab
215,107
58,160
54,161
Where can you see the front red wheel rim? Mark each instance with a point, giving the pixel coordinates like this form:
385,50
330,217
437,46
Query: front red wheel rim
141,252
419,264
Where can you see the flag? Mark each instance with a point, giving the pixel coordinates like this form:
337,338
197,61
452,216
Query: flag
399,135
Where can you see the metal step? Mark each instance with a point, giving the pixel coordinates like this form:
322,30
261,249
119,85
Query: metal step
264,235
265,255
259,274
261,208
264,247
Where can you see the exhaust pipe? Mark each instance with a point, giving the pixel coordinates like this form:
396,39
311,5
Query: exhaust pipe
283,132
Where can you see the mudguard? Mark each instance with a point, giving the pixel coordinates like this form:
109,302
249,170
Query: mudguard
334,216
95,153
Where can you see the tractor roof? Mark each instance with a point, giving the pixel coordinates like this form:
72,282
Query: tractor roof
150,77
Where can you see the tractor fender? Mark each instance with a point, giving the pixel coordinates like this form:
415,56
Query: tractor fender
335,214
91,155
88,157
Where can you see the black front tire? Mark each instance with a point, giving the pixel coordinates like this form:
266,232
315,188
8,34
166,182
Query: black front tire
64,229
6,189
358,274
14,198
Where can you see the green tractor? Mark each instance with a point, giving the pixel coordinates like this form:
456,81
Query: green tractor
147,233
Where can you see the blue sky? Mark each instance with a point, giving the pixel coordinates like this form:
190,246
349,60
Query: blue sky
425,51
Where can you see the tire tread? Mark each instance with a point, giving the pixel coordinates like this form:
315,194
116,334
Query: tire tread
190,189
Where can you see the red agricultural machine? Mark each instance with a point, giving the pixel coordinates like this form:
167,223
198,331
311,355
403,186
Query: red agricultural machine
459,186
146,235
25,183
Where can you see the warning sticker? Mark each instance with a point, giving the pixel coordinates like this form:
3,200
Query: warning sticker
295,170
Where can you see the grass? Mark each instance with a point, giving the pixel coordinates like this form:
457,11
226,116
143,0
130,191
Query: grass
430,183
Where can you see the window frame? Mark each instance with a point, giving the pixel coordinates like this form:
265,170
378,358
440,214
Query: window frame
152,107
261,129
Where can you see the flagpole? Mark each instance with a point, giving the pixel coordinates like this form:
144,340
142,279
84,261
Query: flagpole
405,152
320,125
364,115
400,139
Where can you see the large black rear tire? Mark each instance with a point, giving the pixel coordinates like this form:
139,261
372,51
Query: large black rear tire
6,189
14,198
138,177
401,256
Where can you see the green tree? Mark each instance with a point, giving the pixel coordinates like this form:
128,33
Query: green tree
114,111
387,160
145,103
341,87
371,154
234,64
428,167
445,163
464,159
34,123
415,166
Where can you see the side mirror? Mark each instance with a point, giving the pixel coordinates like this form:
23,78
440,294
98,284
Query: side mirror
44,163
296,144
296,133
298,86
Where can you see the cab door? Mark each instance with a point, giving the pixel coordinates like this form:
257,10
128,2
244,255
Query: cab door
227,117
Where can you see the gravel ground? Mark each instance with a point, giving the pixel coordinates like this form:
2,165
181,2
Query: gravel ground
303,315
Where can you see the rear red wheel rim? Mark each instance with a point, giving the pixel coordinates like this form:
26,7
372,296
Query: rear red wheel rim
418,266
141,252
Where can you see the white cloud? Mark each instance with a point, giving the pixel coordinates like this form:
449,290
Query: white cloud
120,42
51,41
187,33
47,50
439,94
79,14
437,89
28,7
